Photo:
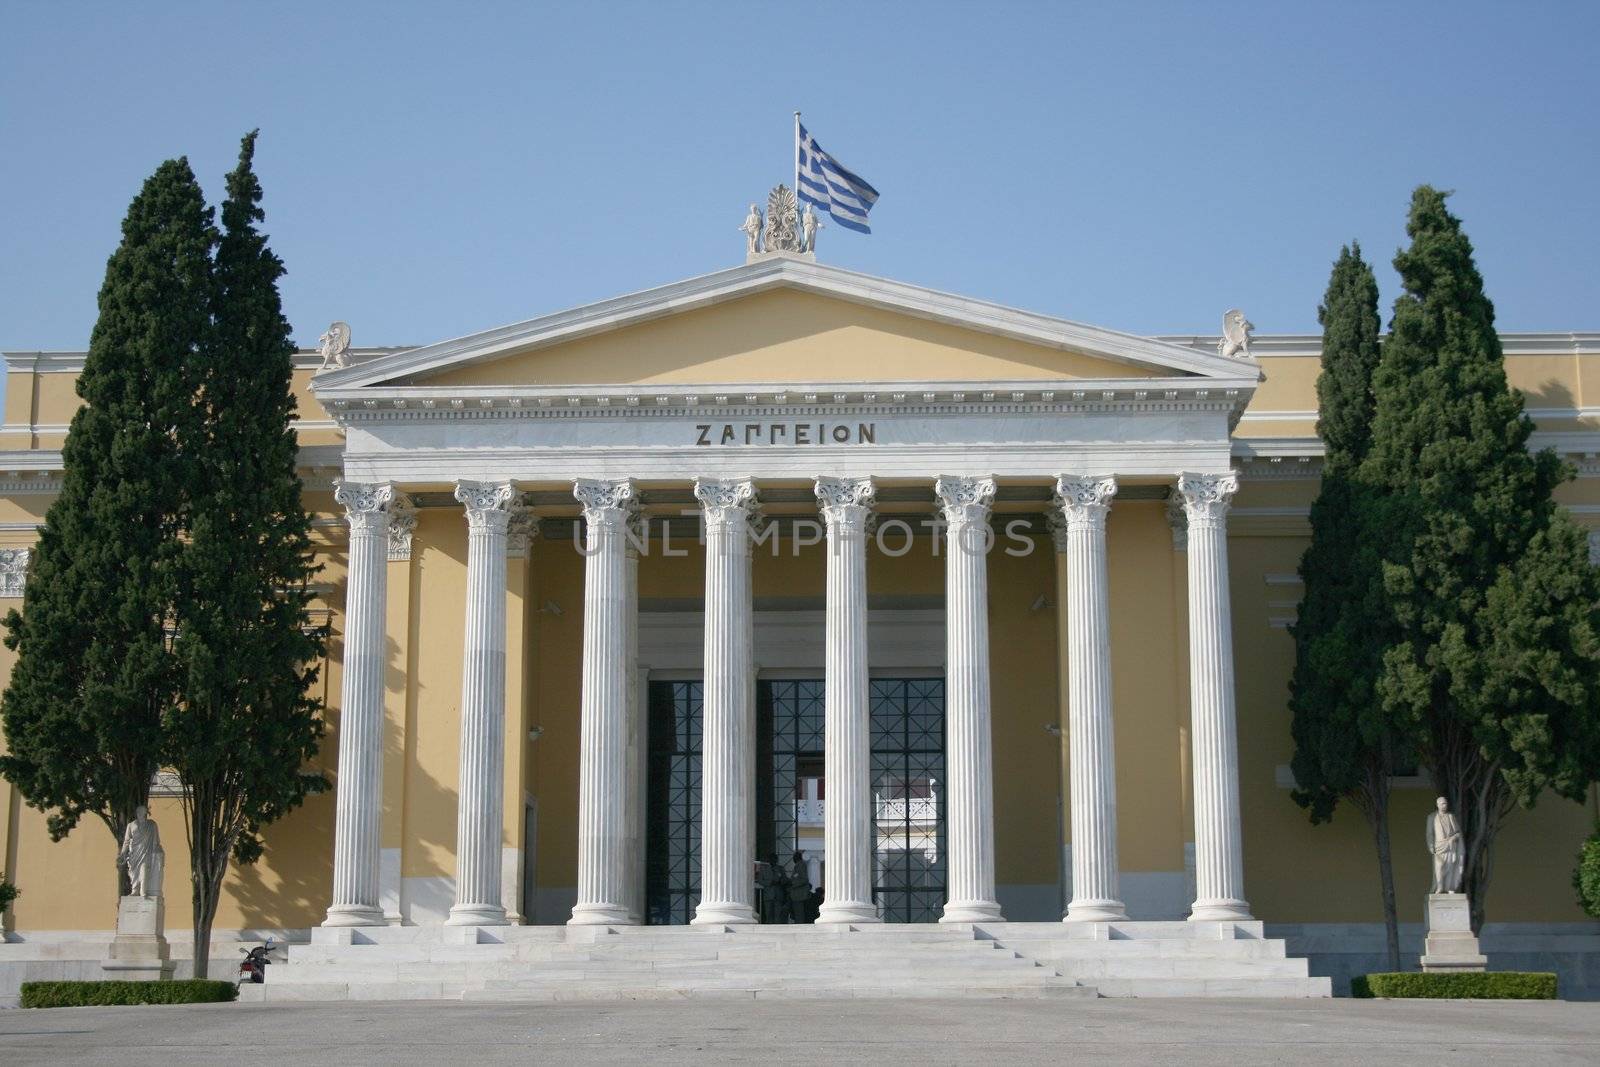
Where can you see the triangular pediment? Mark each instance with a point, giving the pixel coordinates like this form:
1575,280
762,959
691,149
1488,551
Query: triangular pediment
781,321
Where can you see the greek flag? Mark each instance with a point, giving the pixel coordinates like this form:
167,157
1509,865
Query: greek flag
822,181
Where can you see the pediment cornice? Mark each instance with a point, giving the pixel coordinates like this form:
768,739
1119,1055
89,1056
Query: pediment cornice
768,274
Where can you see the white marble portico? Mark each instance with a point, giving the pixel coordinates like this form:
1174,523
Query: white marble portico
1168,425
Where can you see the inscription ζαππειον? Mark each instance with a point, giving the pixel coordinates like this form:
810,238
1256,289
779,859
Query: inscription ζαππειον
785,433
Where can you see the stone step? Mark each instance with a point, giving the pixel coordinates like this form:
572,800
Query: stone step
895,970
1097,969
1280,987
1039,948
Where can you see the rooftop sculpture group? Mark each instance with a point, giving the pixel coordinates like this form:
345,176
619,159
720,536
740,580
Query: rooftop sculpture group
783,229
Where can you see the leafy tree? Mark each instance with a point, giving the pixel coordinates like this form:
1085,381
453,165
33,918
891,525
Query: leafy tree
1493,656
95,669
1346,747
1586,875
245,723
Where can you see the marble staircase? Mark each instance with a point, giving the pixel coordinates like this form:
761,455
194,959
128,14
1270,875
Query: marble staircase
1012,960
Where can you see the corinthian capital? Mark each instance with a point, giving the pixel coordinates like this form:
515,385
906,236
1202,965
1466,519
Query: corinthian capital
964,499
1084,501
1206,496
725,499
845,500
366,504
599,496
488,504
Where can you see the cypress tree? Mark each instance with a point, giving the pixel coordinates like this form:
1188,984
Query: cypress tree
1345,746
95,669
246,723
1493,655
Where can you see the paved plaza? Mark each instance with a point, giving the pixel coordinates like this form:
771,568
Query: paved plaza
923,1032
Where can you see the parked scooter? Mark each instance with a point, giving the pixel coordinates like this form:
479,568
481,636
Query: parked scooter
253,968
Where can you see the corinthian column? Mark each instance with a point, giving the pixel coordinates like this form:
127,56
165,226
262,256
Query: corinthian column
728,755
969,770
1219,854
848,817
603,781
479,805
358,816
1084,503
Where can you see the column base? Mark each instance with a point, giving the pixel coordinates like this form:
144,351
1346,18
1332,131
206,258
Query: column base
601,915
847,911
1096,911
971,911
477,915
1207,911
723,913
355,915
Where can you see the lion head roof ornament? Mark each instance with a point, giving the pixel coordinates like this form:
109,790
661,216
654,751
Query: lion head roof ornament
334,346
1235,339
782,231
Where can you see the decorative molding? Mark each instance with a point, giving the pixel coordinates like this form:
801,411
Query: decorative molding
14,571
845,502
725,500
488,504
1084,501
1178,520
366,504
964,499
522,529
1206,496
402,525
166,784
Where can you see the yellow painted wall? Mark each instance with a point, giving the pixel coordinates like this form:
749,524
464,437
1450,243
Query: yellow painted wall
785,336
1294,872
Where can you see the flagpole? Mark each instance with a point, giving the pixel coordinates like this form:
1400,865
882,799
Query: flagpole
797,156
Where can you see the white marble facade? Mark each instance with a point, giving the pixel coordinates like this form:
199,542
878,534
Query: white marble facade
610,880
1170,422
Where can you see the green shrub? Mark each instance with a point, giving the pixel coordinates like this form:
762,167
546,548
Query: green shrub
1586,876
1462,985
99,994
8,893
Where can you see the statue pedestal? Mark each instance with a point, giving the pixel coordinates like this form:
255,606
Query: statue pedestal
139,952
1451,945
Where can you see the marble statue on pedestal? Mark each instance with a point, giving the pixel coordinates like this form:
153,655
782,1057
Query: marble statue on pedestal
1448,851
139,951
143,855
1451,944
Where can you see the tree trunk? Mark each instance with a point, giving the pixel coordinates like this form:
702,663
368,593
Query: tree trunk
1379,816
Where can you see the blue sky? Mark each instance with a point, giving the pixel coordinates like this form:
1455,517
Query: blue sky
436,169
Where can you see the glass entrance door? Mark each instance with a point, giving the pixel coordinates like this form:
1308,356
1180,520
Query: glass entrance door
791,794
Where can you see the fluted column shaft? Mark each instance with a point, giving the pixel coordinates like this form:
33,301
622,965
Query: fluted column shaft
850,834
1084,504
1218,834
358,816
728,757
603,779
969,771
638,743
480,802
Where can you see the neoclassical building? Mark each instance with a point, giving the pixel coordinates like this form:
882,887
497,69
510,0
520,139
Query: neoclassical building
982,613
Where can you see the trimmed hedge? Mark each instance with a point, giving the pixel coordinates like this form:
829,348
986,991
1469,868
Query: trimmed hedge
100,994
1459,985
